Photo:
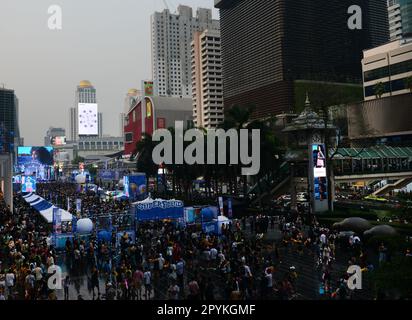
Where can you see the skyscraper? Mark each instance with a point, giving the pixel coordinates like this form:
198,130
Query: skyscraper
272,49
9,126
85,93
207,85
400,18
172,35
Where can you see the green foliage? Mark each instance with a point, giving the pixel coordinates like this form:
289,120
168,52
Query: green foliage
395,275
379,89
394,243
323,94
77,160
408,83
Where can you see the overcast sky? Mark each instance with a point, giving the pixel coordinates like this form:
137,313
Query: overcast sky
104,41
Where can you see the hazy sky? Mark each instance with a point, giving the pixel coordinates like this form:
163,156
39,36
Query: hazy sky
104,41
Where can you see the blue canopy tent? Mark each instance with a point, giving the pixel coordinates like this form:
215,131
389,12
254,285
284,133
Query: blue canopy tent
159,209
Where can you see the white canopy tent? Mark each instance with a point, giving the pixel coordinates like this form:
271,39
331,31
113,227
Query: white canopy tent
45,208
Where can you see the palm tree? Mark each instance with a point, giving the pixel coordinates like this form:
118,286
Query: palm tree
379,89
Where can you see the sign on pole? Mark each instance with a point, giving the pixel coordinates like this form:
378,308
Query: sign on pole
221,206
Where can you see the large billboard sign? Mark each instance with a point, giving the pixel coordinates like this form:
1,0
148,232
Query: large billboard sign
148,88
37,162
58,141
88,119
319,178
319,160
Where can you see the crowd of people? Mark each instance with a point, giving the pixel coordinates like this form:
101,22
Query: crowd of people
168,260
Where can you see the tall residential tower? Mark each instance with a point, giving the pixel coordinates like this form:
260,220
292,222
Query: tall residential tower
400,18
172,35
207,84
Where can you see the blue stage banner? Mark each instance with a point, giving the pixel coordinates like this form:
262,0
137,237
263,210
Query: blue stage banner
108,175
160,210
210,227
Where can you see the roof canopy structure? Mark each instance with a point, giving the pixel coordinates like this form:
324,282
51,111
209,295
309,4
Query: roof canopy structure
376,152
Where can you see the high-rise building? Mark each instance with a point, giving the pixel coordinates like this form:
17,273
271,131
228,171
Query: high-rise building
9,125
9,140
172,35
272,49
400,18
85,93
207,86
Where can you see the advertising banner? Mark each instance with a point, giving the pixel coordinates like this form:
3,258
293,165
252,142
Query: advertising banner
159,210
107,175
221,206
319,178
57,221
190,215
229,208
88,122
79,205
135,187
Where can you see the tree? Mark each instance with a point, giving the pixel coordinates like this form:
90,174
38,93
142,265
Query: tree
408,83
77,160
379,89
144,161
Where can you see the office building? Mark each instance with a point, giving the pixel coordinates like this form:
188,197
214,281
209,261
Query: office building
400,19
172,35
207,86
387,70
9,122
272,51
99,146
9,140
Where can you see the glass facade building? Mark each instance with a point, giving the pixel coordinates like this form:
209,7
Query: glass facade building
8,120
268,45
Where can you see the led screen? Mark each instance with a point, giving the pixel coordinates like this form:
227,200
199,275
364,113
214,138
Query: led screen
58,141
88,121
28,184
319,160
35,161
